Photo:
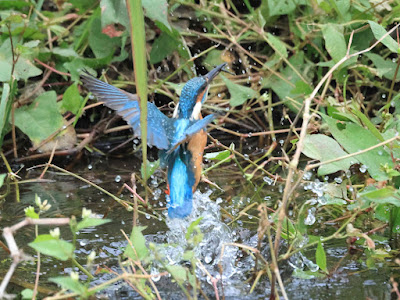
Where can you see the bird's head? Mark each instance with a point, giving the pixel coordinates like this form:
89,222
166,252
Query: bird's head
194,93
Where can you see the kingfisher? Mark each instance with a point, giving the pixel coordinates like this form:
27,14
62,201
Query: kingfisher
181,139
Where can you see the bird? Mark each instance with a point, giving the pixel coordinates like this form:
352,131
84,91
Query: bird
181,139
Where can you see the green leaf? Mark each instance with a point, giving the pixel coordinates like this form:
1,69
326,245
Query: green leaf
66,282
335,193
4,111
76,65
40,119
341,115
371,127
65,52
288,228
31,44
101,44
384,195
30,213
91,222
302,88
82,6
335,43
396,220
239,93
72,100
385,67
162,46
27,294
279,7
16,4
151,167
287,89
2,177
219,155
342,7
388,41
193,226
57,248
213,58
157,10
383,212
323,148
278,46
320,257
138,241
114,11
24,68
188,255
176,86
178,272
354,138
306,274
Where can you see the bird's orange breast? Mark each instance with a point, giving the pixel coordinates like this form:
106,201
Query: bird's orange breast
196,147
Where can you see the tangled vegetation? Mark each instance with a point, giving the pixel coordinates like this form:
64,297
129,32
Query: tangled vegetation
310,103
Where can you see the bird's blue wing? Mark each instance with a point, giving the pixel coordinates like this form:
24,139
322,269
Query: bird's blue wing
127,106
194,128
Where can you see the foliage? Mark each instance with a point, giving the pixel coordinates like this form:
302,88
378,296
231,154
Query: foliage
52,245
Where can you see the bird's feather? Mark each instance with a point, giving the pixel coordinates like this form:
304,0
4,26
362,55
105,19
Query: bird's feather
193,128
127,106
181,180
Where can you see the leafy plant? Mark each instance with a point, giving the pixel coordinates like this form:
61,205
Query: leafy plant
52,245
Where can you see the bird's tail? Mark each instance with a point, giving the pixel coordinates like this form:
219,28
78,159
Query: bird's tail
181,180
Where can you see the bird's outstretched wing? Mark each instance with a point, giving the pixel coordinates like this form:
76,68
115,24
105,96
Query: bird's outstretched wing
195,127
127,106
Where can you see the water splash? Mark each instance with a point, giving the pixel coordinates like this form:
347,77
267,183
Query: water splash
216,237
318,188
310,219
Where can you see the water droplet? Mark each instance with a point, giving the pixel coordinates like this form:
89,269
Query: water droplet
363,168
338,180
310,219
154,271
208,259
307,175
268,180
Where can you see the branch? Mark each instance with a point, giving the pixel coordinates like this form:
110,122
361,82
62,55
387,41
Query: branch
17,254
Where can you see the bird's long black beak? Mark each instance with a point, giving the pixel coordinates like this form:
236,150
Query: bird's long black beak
214,72
201,97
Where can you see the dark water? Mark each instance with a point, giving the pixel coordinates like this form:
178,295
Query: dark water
67,196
